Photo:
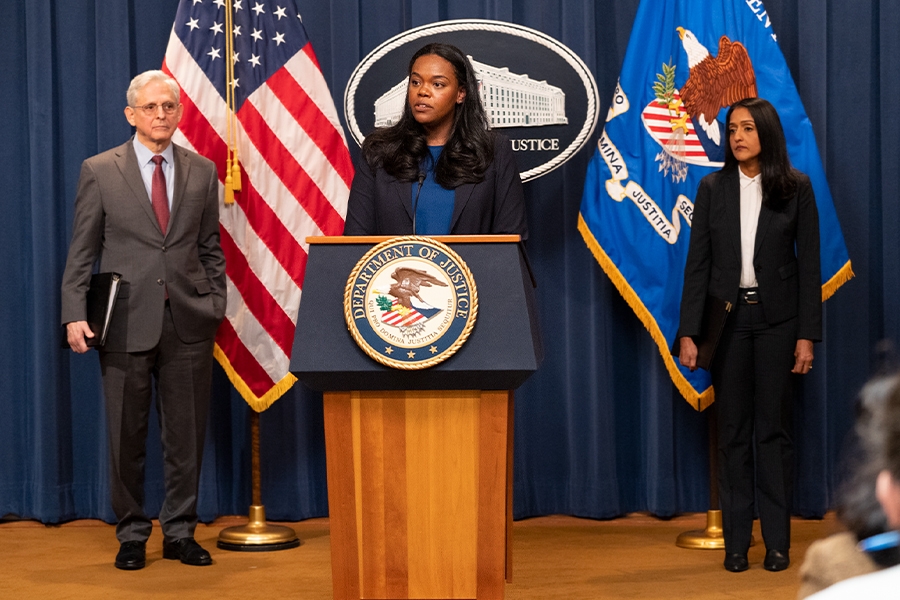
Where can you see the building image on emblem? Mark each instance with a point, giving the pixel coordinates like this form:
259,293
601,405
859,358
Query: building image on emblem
510,99
389,105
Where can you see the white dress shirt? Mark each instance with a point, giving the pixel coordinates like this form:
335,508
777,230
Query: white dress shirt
751,202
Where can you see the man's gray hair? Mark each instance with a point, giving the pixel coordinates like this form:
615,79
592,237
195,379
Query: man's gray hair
146,77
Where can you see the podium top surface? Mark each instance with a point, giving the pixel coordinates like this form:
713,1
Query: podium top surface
503,350
446,239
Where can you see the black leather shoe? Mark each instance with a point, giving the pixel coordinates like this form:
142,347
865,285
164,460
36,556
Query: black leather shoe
132,556
776,560
736,562
188,551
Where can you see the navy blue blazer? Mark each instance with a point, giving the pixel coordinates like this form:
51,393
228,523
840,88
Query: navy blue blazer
785,256
379,204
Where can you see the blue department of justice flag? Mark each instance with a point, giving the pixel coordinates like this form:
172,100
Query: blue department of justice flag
687,61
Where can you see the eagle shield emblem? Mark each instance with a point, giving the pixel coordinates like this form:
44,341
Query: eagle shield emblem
410,302
685,122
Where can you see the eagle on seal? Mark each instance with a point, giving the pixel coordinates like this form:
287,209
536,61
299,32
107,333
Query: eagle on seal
408,283
715,82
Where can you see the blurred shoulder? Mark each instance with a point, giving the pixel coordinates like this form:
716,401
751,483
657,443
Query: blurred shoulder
830,560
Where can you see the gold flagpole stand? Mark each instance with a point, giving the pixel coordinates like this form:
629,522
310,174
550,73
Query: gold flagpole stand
257,535
710,538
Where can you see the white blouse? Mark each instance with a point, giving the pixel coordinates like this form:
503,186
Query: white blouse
751,202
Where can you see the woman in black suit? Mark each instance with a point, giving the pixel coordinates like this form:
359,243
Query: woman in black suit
755,243
439,170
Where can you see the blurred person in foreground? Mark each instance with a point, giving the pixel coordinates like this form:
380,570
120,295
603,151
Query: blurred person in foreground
882,438
839,556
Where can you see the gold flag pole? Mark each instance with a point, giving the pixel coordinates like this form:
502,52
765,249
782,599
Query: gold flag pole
257,535
235,169
230,134
710,538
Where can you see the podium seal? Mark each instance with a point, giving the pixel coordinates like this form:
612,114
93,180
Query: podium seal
410,302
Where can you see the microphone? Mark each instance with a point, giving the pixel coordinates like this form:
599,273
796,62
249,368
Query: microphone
421,178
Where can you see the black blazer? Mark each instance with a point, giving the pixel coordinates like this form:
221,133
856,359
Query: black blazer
785,258
379,204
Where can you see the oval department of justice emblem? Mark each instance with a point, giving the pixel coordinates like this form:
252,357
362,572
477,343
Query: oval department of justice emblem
534,89
410,302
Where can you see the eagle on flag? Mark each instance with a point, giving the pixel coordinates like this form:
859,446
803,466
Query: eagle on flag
715,82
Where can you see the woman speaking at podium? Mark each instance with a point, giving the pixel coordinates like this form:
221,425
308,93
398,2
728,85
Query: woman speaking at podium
755,243
440,170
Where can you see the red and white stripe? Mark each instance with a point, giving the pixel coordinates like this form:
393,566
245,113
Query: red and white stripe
296,174
397,319
658,120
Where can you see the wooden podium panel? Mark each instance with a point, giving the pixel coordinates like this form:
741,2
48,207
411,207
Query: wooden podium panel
420,478
419,493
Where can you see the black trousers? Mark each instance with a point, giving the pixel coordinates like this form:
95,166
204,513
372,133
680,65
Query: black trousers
182,374
752,378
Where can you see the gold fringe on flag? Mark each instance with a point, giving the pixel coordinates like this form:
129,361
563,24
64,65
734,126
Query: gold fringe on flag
257,403
698,401
843,275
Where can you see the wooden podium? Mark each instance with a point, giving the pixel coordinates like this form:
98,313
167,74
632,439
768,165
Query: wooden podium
420,462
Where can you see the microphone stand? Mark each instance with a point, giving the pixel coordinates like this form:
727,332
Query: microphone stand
416,201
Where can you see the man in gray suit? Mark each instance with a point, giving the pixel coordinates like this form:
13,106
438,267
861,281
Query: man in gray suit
156,222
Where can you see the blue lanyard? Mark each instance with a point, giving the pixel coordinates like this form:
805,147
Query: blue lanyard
882,541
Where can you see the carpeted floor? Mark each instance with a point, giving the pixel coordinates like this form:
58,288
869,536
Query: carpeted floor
553,557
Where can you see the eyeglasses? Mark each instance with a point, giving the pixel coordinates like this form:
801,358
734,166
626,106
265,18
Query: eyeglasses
152,109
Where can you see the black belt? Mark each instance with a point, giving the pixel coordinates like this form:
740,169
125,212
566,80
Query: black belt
749,296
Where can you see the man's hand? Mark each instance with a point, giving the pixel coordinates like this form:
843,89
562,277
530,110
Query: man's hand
688,353
76,331
803,357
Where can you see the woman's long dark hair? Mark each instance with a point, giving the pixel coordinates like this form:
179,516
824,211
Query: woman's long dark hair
469,150
779,179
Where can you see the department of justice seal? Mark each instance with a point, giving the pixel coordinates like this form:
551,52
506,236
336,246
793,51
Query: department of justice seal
410,302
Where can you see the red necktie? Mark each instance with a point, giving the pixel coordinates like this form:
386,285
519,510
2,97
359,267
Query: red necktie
159,198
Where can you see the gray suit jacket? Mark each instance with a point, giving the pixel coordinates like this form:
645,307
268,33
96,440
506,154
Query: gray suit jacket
115,224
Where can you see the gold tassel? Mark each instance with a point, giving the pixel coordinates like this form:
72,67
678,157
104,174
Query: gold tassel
236,172
229,186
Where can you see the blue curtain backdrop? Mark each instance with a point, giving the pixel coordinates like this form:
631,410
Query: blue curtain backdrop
600,431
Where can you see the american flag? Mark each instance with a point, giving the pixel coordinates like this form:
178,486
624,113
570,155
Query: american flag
295,171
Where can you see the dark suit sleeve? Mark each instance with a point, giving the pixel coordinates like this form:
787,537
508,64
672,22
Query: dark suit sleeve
697,267
361,204
209,248
509,194
84,248
809,264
